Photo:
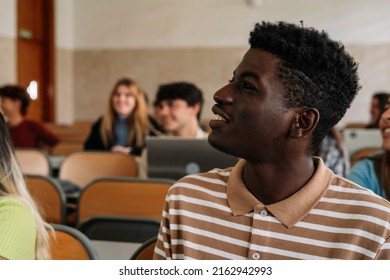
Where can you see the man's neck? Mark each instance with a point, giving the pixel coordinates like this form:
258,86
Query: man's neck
188,131
15,120
271,183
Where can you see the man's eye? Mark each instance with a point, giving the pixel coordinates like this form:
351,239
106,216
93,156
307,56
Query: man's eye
246,85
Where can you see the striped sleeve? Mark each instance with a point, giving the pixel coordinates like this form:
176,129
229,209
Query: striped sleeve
162,250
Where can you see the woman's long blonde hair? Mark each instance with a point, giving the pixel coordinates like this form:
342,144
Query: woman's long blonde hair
12,185
138,122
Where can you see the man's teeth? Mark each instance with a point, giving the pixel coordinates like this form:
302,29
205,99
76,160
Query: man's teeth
387,130
219,118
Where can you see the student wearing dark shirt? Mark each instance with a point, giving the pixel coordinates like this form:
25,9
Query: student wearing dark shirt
24,133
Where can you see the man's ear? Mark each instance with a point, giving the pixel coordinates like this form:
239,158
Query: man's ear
304,122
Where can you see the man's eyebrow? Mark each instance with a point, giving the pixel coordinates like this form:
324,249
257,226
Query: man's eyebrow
249,74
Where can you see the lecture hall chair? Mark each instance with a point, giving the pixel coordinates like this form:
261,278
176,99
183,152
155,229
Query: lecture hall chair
68,243
33,161
49,196
129,197
83,167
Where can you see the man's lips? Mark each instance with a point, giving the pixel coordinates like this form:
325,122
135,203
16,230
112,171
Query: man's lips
219,115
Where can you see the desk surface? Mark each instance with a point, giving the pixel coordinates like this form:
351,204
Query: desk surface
112,250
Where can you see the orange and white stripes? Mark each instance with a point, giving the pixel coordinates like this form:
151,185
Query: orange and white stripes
213,216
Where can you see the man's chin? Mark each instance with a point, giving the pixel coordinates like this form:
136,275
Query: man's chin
169,129
214,141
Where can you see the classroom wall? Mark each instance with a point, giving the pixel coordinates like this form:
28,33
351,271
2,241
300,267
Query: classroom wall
7,41
65,76
210,68
159,41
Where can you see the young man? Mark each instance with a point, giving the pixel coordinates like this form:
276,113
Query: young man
278,202
24,133
177,109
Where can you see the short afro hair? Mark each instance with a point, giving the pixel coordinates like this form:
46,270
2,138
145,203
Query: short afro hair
316,71
180,90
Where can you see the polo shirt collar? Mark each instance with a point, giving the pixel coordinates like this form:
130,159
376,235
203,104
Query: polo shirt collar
288,211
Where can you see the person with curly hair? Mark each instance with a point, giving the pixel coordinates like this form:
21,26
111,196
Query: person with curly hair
279,201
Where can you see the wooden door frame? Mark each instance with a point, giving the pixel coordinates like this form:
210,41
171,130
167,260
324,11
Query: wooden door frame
48,60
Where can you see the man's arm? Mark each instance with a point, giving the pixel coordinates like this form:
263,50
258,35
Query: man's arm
163,249
46,136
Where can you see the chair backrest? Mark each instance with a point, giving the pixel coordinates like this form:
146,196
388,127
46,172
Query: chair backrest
145,251
68,243
49,196
131,197
83,167
363,153
356,125
67,132
122,229
33,161
67,148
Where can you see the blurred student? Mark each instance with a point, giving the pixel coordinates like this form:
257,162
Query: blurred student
334,153
373,172
378,103
177,109
125,123
22,231
24,133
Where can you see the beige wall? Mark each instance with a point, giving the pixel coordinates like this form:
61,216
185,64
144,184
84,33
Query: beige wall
374,72
8,72
85,77
64,86
97,71
210,68
159,41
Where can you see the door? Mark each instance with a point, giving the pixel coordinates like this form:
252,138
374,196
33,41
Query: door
35,53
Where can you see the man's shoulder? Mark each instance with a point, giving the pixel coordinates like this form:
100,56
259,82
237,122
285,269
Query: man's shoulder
345,189
212,181
24,124
32,124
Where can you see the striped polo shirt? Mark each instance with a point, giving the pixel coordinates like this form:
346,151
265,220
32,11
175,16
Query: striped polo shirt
213,216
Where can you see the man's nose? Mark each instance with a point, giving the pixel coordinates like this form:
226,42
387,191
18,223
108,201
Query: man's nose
224,95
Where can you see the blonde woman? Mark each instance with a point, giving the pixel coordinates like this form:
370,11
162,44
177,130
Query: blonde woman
125,122
22,231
